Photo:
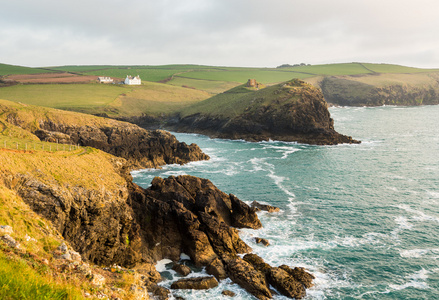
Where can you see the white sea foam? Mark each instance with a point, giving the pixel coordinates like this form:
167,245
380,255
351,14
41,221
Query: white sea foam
417,253
418,215
161,264
433,194
416,280
184,256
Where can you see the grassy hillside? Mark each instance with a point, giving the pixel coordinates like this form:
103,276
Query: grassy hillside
114,100
35,268
185,85
64,96
155,99
234,102
6,69
380,88
30,272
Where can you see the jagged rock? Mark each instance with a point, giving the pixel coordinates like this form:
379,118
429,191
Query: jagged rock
281,278
6,229
10,241
290,111
286,284
149,272
216,268
195,283
300,275
245,215
258,206
262,241
159,292
228,293
142,148
181,269
190,215
244,274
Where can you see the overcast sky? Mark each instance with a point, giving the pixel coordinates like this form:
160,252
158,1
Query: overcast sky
253,33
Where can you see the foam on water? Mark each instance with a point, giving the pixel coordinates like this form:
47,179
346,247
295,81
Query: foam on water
362,218
416,280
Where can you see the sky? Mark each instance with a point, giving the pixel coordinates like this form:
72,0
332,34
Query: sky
242,33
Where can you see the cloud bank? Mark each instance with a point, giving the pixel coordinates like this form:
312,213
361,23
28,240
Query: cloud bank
219,32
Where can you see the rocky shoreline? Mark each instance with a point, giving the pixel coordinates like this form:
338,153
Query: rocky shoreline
127,225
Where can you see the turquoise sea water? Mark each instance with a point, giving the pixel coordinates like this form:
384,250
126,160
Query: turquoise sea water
364,219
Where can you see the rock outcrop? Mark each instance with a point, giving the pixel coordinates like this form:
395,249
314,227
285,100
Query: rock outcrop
381,89
195,283
134,226
142,148
293,111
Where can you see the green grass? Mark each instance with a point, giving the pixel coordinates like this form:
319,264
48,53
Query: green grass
239,99
332,69
19,281
210,86
145,74
13,143
64,96
6,69
387,68
266,76
79,69
156,99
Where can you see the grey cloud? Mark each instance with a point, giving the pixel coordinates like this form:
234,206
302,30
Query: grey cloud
250,33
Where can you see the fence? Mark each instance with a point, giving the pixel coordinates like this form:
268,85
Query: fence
29,145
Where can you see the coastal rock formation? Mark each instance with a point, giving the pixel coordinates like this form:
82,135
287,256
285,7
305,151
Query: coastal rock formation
140,147
290,282
196,283
133,226
381,89
291,111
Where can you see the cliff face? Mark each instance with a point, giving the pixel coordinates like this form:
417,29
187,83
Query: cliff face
292,111
381,89
142,148
127,225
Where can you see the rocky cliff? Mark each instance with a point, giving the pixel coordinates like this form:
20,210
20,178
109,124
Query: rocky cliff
142,148
89,197
382,89
291,111
121,223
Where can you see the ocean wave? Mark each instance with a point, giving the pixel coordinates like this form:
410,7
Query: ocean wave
418,215
416,280
417,253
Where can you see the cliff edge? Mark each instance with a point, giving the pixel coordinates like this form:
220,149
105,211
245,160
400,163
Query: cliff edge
141,148
292,111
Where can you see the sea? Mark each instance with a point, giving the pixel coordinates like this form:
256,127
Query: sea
363,218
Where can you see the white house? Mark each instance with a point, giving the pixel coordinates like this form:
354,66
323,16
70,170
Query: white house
105,79
130,80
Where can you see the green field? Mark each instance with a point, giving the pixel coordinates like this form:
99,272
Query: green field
15,70
210,86
145,74
156,99
64,96
188,84
266,76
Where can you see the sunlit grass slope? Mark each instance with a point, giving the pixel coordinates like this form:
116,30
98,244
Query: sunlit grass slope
64,96
156,99
235,101
24,275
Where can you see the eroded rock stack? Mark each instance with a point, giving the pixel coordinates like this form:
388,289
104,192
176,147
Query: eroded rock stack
186,214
